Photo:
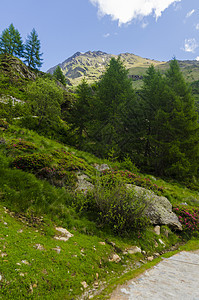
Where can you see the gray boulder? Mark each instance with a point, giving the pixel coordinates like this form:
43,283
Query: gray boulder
158,208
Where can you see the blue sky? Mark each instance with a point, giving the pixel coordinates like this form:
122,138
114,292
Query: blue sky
155,29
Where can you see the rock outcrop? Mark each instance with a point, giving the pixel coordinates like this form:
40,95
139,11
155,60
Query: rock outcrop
158,208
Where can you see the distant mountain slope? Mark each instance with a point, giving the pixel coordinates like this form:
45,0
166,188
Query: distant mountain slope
91,65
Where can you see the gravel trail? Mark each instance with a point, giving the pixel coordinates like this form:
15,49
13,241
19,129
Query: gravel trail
176,278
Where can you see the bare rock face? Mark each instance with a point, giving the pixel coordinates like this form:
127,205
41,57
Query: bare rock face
158,208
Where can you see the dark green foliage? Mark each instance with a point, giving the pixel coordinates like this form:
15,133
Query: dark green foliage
4,124
11,42
11,112
170,128
115,98
58,74
46,98
32,162
81,112
32,55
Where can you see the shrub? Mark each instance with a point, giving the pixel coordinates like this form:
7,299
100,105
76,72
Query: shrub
188,217
21,145
116,207
58,177
32,162
132,178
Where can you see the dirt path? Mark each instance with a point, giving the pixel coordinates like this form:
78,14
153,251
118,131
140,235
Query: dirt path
176,278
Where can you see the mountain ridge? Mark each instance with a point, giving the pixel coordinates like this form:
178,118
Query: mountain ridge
92,64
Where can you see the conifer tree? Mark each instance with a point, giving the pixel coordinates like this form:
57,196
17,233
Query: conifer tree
170,138
114,95
11,42
80,114
58,74
32,53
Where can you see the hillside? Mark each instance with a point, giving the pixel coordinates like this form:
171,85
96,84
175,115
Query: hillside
73,224
91,65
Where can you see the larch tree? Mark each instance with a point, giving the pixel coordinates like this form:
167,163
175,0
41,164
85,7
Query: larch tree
170,139
11,42
114,95
58,74
32,53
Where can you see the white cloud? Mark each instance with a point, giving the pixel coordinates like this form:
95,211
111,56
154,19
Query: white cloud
190,13
197,58
197,26
126,10
190,45
106,35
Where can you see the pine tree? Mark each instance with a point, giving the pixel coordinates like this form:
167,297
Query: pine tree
11,42
170,138
58,74
80,114
114,95
32,53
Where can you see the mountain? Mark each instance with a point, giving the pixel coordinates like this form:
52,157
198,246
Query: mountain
92,64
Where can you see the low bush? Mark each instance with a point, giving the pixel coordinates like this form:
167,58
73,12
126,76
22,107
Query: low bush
58,177
32,162
131,178
21,145
116,207
189,218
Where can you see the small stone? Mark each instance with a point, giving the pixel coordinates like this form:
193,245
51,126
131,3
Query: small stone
85,285
61,238
115,258
3,254
1,277
25,262
20,231
134,250
39,247
96,284
150,258
156,254
143,252
21,274
161,242
57,249
142,261
5,223
102,243
157,229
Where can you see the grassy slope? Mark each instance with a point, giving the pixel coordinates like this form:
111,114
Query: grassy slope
34,208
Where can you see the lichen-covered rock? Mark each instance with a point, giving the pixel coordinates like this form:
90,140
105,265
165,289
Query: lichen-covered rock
158,208
83,185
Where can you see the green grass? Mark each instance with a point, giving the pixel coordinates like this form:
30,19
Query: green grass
35,207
